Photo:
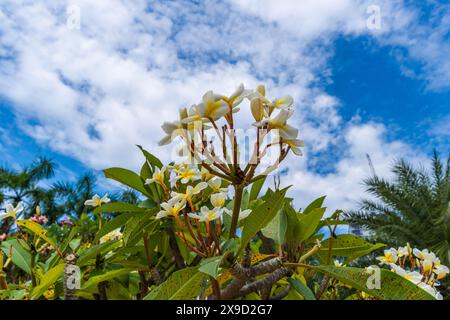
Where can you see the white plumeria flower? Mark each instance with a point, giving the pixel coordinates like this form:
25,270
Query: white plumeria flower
171,208
390,256
282,103
96,201
218,199
338,264
402,251
158,176
215,185
424,254
236,97
212,107
188,174
294,144
431,290
441,271
190,192
12,211
206,175
427,265
113,235
414,276
242,214
206,214
279,122
258,110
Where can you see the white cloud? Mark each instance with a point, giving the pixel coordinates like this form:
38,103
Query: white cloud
95,92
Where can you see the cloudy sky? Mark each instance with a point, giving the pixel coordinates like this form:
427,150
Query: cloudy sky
84,81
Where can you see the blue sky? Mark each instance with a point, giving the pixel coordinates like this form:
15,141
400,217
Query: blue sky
85,96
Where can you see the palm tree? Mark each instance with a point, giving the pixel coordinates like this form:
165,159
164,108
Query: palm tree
24,185
414,207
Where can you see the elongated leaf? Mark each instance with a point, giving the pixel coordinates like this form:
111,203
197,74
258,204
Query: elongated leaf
120,207
105,277
256,188
314,205
47,280
113,224
302,289
392,286
18,253
346,245
210,266
91,253
261,216
128,178
308,223
184,284
154,161
276,228
38,230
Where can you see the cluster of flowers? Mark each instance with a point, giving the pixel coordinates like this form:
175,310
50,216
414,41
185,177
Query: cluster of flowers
421,267
185,187
203,116
12,212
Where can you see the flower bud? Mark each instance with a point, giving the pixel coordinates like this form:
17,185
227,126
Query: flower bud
261,89
257,109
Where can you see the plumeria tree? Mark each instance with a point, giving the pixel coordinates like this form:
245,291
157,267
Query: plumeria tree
209,226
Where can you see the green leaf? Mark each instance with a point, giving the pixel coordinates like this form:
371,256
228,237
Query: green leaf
128,178
314,205
113,224
210,266
91,253
20,256
308,223
261,216
120,207
47,280
276,228
392,286
346,245
256,188
75,244
301,288
105,277
154,161
184,284
38,230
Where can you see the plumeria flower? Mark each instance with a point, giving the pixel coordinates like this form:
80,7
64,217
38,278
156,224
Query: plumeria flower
427,265
206,175
424,254
294,144
96,201
188,174
279,122
414,276
212,107
236,97
431,290
258,110
242,214
206,214
282,103
12,211
218,199
158,176
338,264
190,192
171,208
402,251
216,184
390,256
113,235
441,271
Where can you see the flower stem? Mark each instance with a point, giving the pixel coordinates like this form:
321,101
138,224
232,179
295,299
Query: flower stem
238,191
